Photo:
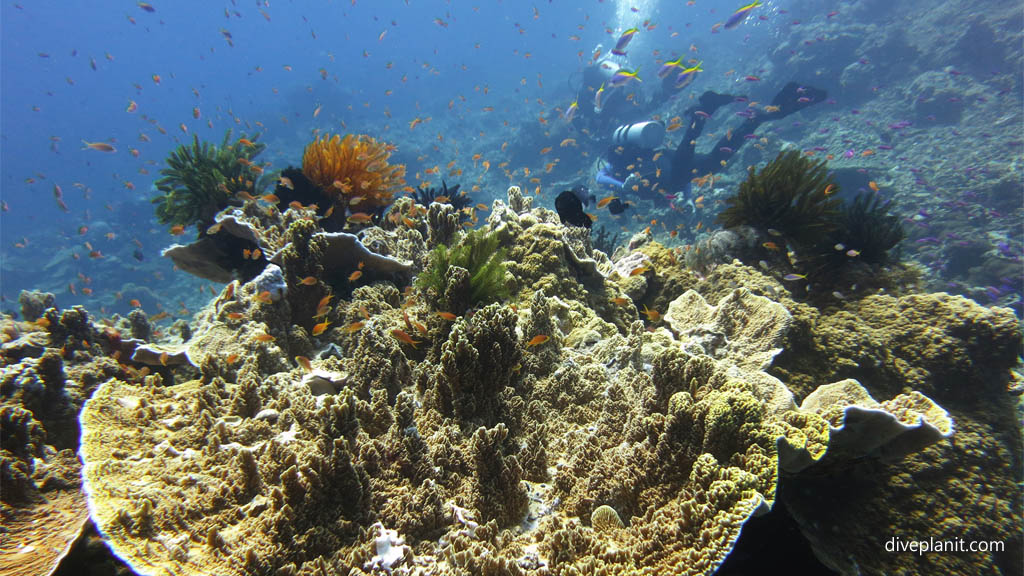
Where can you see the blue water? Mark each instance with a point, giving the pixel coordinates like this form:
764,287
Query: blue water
71,69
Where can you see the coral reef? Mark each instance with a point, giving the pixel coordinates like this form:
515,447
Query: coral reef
476,367
314,420
201,180
33,303
498,492
353,172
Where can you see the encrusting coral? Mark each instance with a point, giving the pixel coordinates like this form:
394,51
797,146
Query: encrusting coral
353,172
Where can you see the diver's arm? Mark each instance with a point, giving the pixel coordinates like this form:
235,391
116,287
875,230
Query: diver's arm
605,177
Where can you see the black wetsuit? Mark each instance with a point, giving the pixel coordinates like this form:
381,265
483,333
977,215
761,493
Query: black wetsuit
663,172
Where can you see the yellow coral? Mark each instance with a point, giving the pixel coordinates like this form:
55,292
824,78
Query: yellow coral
353,170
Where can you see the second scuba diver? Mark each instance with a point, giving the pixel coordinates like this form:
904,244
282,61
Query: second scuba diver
637,164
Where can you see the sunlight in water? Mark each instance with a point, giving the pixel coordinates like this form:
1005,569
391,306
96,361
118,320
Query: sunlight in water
626,17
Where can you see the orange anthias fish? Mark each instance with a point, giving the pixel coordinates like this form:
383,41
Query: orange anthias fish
652,315
320,328
537,340
605,201
359,218
402,336
101,146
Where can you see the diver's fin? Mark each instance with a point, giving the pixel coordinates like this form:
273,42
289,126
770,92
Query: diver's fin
711,101
794,97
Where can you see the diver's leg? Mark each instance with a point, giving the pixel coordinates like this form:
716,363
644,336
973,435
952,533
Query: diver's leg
683,157
792,98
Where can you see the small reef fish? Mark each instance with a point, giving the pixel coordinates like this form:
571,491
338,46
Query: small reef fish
537,340
354,327
100,146
669,66
687,76
264,337
652,315
359,218
794,277
263,297
447,316
304,363
404,337
355,276
740,15
570,112
597,98
321,328
308,281
624,39
638,271
621,301
605,201
622,76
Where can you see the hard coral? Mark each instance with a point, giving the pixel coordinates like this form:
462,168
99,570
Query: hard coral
353,170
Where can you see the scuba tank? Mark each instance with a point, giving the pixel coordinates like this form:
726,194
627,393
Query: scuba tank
646,135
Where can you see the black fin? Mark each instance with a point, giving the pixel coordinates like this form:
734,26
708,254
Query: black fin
794,97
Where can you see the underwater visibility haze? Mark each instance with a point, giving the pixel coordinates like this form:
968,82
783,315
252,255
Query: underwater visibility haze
511,288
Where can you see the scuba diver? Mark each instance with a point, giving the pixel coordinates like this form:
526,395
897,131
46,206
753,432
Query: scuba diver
636,161
602,100
636,164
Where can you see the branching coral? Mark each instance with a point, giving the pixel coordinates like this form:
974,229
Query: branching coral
202,179
353,171
791,195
